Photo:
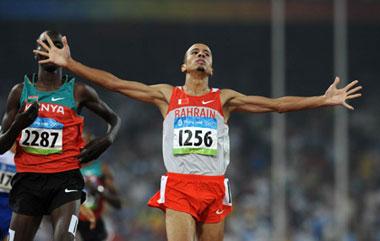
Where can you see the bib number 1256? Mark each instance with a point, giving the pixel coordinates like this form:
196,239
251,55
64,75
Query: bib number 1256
194,138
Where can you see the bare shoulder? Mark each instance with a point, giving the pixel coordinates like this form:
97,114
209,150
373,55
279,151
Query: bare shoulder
227,95
17,87
165,89
12,105
84,92
15,92
162,87
228,92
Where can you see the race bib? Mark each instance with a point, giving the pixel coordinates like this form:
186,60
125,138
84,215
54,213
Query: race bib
43,137
6,174
195,135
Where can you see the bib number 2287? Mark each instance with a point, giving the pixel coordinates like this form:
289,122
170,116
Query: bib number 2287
43,137
40,139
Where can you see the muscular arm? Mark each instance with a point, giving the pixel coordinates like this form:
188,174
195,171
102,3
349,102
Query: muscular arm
235,101
156,94
240,102
13,122
87,97
133,89
9,131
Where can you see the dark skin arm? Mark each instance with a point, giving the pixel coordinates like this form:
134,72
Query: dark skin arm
87,97
15,120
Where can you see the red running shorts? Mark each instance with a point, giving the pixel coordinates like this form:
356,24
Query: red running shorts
206,198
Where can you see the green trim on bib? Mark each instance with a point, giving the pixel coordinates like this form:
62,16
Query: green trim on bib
37,151
202,151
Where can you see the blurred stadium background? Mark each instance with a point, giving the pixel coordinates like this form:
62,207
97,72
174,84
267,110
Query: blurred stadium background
319,198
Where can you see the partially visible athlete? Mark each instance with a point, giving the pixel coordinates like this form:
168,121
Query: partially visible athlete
194,193
7,171
100,190
42,117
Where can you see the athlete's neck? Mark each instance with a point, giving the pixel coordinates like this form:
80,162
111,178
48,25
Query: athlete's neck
49,81
196,85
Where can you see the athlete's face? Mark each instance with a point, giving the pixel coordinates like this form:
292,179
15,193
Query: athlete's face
198,58
57,40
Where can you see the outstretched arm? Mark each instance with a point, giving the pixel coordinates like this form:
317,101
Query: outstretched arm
234,101
15,119
87,97
136,90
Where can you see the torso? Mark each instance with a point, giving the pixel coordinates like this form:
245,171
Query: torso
53,141
195,135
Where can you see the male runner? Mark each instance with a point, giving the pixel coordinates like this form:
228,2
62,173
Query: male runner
100,189
42,117
194,193
7,171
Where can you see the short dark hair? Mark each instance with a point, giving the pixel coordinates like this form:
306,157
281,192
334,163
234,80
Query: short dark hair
52,34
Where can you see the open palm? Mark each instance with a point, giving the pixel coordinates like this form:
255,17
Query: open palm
53,54
337,96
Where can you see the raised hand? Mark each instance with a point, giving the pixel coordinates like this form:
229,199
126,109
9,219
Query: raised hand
54,55
337,96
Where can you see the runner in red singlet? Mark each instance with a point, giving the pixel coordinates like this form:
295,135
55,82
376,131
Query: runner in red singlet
194,193
42,116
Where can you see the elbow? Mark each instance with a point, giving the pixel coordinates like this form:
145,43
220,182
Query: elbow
116,123
112,87
114,120
114,126
280,108
276,105
115,85
283,107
